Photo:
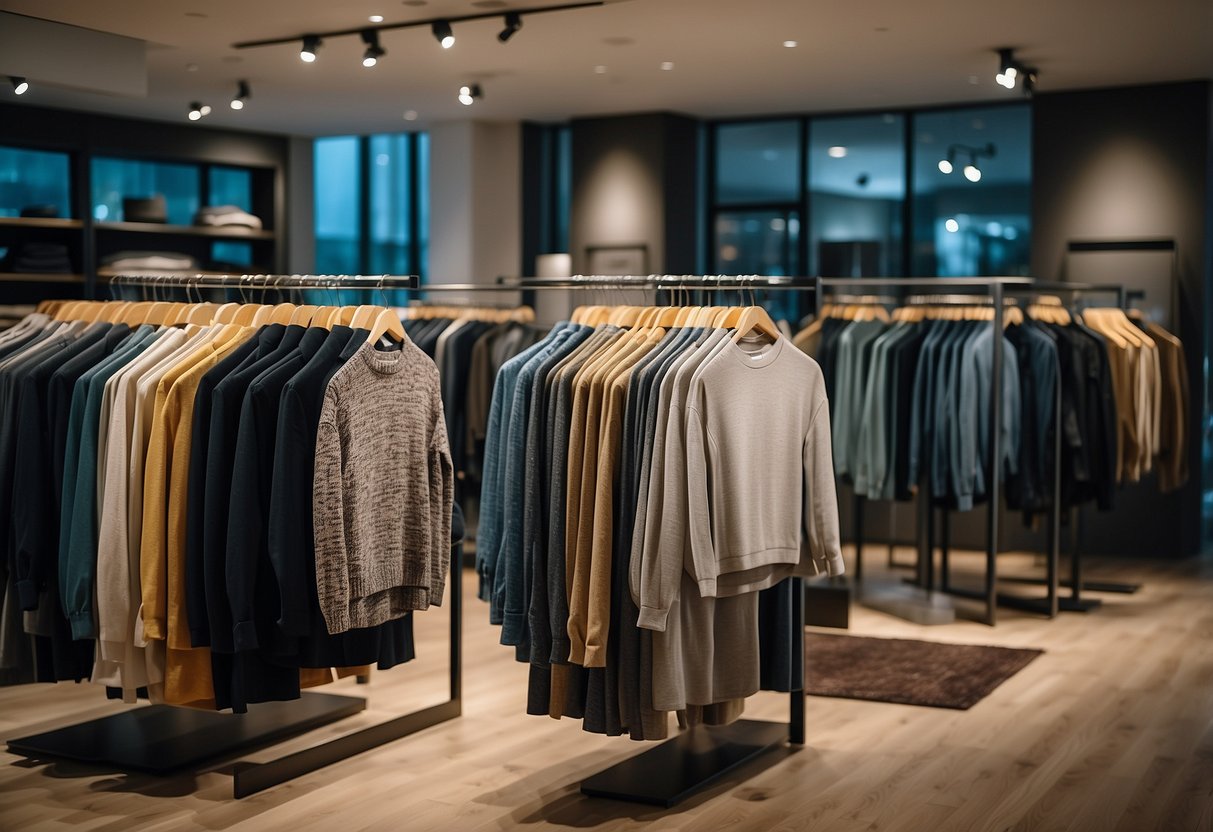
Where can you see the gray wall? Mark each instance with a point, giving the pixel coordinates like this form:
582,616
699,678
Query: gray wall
634,183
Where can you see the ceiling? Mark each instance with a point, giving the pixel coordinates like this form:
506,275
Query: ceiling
728,56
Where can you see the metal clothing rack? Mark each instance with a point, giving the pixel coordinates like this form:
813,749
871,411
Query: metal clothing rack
680,767
994,289
161,739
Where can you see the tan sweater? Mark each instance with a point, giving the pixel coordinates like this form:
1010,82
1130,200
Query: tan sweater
383,490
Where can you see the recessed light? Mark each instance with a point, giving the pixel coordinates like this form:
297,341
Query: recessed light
376,18
952,225
837,151
196,14
667,65
600,70
410,115
790,44
191,67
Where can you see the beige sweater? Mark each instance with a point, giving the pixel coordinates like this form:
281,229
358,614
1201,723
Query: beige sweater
759,476
383,490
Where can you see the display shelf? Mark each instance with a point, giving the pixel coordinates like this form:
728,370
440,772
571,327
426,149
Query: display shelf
40,277
219,232
41,222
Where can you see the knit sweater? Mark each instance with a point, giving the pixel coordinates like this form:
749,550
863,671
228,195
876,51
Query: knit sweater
383,490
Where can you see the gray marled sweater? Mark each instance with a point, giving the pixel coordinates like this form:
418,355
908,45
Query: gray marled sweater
383,490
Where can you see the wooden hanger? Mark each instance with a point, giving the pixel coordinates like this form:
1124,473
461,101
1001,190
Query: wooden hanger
386,323
303,315
755,318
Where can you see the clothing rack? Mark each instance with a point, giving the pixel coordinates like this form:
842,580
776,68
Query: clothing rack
161,739
682,766
993,289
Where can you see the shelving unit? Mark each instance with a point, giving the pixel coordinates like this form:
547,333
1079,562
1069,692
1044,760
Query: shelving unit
92,146
216,232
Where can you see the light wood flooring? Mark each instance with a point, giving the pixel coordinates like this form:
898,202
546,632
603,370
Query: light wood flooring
1111,729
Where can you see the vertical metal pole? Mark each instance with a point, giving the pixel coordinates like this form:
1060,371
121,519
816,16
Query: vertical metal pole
995,467
1055,511
926,532
796,721
945,545
456,603
858,510
1076,517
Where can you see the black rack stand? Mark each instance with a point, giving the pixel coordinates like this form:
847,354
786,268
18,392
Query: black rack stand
161,739
691,762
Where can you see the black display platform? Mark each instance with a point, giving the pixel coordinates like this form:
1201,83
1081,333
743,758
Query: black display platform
676,769
159,739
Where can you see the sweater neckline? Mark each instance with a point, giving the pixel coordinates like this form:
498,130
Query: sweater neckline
384,363
756,360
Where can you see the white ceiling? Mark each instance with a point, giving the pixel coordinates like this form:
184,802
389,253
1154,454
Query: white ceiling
727,55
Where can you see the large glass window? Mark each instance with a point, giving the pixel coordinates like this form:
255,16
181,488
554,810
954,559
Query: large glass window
118,179
857,188
230,186
372,211
972,191
758,162
33,178
338,205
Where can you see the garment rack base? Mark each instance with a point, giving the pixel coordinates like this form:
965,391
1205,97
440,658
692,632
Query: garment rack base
1087,586
681,767
162,740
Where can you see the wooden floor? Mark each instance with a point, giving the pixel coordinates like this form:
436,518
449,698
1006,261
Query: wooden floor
1111,729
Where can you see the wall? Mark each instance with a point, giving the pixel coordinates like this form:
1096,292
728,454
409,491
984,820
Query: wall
475,193
301,206
1134,163
635,183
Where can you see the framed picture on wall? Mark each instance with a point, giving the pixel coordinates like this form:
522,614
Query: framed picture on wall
617,259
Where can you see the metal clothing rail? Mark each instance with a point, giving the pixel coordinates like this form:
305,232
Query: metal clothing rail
264,282
994,288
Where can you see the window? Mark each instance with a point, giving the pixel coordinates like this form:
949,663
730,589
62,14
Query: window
230,186
964,227
31,178
758,163
837,195
372,204
118,179
857,189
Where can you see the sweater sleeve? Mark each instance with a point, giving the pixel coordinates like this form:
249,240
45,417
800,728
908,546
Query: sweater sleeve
662,562
332,577
698,503
442,499
152,563
820,509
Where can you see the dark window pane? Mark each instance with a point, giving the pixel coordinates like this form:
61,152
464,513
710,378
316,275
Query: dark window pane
231,186
857,187
224,252
117,179
757,242
564,187
964,227
758,162
338,195
389,220
33,177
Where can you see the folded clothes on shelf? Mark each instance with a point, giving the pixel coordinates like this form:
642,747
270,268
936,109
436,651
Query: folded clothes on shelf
39,258
44,212
145,208
224,215
167,260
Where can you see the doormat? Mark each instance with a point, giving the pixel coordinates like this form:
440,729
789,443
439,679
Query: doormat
907,671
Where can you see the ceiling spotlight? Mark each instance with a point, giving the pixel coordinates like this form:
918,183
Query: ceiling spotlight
513,22
837,152
376,18
972,172
373,50
667,65
600,70
1007,70
790,44
242,95
308,53
195,111
20,85
1029,81
469,93
443,34
205,109
410,115
945,165
951,225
